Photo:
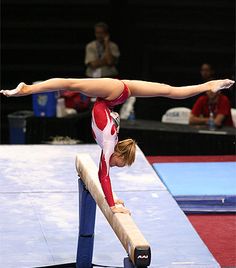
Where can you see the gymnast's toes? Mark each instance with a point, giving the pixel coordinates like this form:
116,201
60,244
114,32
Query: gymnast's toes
18,91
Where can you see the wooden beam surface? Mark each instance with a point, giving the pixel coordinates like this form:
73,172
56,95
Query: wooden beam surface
123,224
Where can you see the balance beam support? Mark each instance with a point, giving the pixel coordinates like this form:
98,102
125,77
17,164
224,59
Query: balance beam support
128,263
87,214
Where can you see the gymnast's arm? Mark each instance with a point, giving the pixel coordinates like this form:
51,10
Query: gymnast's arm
104,177
105,181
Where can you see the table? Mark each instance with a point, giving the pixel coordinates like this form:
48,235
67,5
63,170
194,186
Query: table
41,129
153,137
157,138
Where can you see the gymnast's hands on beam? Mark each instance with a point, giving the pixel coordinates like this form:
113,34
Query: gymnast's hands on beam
120,209
119,202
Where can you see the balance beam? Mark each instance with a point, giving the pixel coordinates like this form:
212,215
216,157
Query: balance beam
123,225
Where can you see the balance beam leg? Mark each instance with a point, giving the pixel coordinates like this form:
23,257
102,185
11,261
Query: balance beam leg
87,214
128,263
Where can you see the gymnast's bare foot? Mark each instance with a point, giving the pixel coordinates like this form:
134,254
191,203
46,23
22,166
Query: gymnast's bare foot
216,85
17,92
120,209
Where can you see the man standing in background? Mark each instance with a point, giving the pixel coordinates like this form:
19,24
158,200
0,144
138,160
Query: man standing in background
101,55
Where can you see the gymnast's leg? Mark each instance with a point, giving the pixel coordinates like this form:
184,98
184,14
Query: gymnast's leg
151,89
106,88
110,89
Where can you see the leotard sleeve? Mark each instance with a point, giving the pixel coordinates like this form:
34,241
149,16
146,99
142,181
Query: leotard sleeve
103,172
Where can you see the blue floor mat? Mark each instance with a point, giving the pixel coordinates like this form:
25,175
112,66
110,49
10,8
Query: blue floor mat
201,187
214,178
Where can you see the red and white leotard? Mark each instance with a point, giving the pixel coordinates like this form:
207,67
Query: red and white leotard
105,133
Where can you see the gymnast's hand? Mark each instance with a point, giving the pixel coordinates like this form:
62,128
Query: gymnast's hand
119,202
120,209
17,92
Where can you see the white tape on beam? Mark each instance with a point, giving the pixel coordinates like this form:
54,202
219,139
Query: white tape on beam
123,225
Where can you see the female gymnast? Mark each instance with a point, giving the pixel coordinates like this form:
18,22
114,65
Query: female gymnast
105,123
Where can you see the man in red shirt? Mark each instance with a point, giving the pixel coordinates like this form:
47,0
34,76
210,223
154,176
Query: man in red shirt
216,103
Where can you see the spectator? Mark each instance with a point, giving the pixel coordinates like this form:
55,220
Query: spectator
101,54
207,72
216,103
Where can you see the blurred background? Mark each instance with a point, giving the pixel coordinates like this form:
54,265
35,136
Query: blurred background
165,41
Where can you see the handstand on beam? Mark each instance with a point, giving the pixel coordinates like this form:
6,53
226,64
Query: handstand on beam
123,225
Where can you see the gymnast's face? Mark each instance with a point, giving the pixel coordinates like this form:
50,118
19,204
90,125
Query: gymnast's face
117,160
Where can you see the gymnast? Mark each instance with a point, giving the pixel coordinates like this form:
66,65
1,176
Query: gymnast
105,123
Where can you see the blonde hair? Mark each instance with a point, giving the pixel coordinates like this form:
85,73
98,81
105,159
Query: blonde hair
126,149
